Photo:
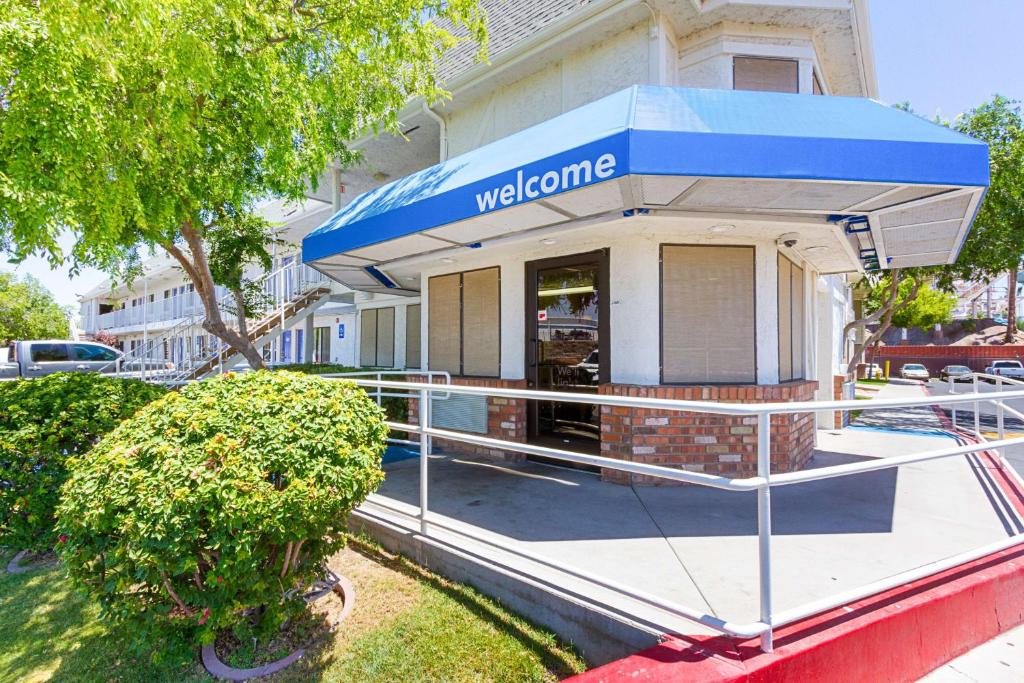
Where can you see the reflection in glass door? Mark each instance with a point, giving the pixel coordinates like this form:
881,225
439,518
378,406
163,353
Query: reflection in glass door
565,343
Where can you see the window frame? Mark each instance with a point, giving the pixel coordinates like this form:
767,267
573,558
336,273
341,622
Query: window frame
661,315
376,337
792,60
793,265
462,323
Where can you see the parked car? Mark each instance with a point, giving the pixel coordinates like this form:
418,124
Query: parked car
47,356
873,371
958,373
914,371
1006,368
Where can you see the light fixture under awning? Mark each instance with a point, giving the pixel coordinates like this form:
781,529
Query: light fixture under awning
906,189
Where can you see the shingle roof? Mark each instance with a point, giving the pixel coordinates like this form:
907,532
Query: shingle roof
508,22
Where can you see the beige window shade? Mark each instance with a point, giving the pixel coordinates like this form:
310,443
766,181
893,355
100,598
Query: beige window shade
412,336
480,323
708,314
444,323
760,73
368,338
386,337
791,320
785,295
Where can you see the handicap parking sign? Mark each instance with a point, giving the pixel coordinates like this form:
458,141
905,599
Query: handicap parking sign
341,330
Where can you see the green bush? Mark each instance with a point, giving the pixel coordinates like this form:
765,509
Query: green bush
42,422
395,407
216,506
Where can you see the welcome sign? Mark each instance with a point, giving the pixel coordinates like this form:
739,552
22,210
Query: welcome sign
527,187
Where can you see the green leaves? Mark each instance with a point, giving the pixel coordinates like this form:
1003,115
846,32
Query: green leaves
221,497
44,422
121,120
29,311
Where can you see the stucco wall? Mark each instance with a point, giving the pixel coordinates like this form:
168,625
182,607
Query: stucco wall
634,279
612,64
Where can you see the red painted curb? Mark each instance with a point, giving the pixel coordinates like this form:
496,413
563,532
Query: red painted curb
899,635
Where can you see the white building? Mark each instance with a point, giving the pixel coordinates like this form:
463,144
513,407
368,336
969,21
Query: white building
662,198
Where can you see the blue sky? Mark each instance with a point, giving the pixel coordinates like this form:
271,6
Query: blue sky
943,56
946,56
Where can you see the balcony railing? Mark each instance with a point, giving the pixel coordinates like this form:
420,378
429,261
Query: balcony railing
160,310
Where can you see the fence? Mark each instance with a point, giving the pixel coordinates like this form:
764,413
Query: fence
763,483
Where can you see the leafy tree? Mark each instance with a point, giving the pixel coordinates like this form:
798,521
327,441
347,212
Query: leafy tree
158,124
29,311
917,304
995,244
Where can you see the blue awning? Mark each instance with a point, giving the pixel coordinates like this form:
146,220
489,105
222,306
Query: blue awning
691,150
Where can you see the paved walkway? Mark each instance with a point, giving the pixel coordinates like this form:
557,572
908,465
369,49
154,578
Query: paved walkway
1000,660
698,546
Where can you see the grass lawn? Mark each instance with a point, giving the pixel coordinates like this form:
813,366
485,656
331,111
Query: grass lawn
407,625
872,381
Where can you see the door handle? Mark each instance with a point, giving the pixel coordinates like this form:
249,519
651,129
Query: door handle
81,366
35,367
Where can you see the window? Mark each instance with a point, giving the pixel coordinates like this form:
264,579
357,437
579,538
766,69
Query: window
791,320
766,74
816,86
707,315
412,336
463,323
377,338
97,353
43,353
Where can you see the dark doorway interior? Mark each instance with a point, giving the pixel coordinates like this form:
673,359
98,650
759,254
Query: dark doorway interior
566,347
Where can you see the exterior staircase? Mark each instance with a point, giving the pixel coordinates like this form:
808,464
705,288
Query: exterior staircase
179,354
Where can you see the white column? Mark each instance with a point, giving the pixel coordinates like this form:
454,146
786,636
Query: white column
635,312
767,316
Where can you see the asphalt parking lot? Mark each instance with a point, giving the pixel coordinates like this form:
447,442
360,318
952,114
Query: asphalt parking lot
965,415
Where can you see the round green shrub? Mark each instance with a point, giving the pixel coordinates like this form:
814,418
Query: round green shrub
216,506
43,422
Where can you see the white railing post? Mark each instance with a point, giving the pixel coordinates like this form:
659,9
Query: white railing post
764,525
379,389
977,410
424,455
952,390
1000,426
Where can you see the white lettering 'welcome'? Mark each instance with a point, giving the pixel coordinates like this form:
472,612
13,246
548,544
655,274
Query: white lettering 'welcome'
572,175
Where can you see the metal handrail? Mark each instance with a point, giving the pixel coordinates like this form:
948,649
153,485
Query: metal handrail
762,483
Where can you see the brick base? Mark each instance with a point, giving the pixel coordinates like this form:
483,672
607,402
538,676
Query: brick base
715,444
506,419
701,442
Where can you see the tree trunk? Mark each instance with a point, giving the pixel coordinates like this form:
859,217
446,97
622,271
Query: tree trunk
1011,306
883,315
198,269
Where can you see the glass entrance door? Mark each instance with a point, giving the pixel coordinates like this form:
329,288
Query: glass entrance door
566,329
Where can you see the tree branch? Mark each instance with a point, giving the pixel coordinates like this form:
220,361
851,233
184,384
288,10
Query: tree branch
170,590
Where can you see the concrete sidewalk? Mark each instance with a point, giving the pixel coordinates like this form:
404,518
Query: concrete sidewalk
697,546
1000,660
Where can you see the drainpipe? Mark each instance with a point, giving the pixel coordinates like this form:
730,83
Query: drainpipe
443,130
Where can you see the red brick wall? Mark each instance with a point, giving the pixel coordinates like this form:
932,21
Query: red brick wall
506,418
936,357
714,444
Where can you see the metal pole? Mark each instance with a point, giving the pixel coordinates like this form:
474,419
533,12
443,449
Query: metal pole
952,390
424,455
1000,427
764,526
977,409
